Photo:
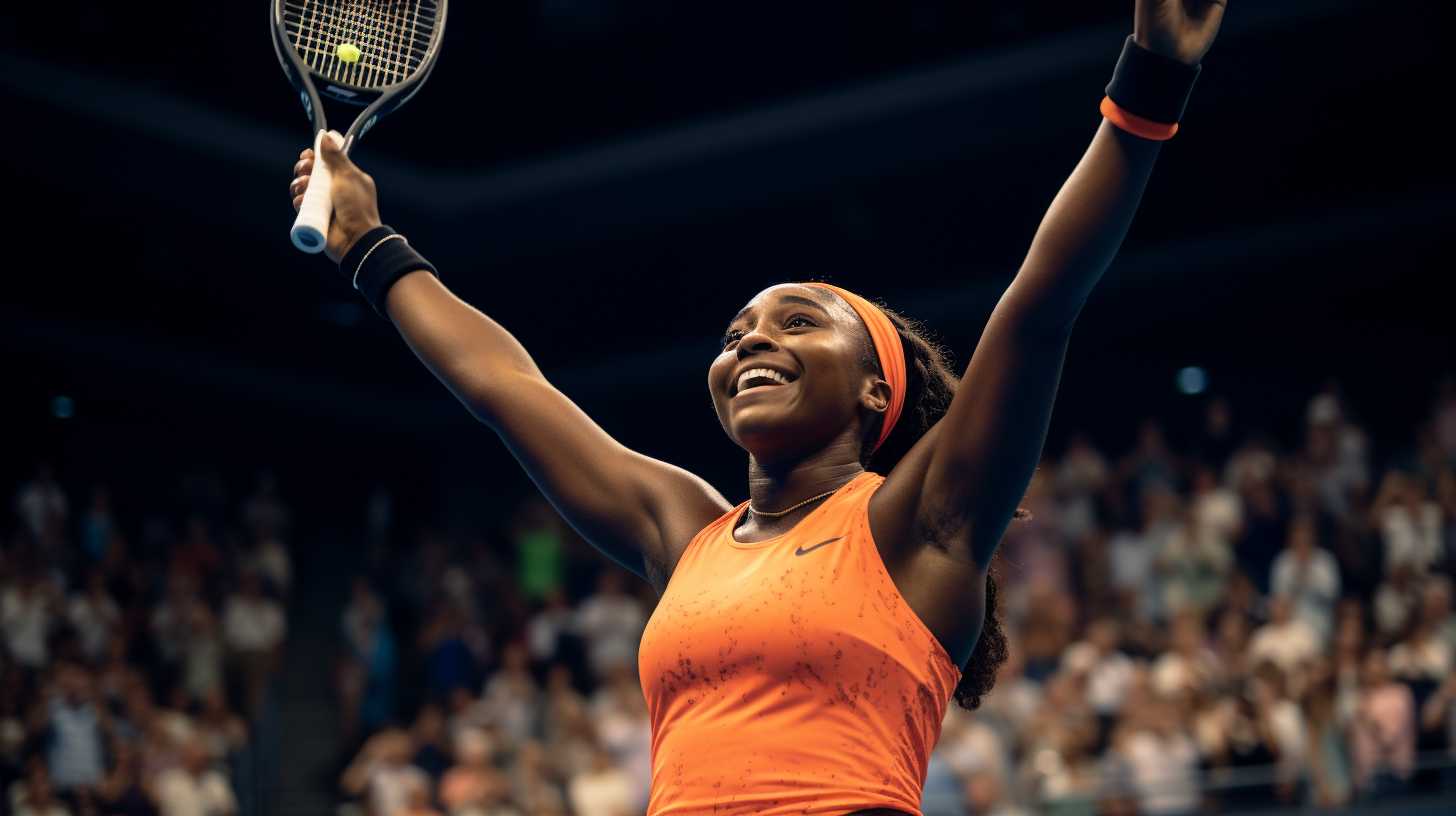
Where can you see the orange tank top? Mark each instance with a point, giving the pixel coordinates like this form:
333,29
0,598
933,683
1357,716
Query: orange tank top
789,675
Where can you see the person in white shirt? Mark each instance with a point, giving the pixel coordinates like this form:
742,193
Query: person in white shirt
611,621
194,788
1410,524
382,773
42,505
1309,576
27,614
603,790
1109,672
253,628
93,614
1285,641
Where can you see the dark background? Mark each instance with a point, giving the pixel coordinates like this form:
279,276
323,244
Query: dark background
613,180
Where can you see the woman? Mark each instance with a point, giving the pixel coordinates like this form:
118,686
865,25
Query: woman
808,640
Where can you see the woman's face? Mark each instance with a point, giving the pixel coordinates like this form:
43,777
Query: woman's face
791,375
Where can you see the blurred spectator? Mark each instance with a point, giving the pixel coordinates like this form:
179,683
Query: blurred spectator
253,629
603,790
509,700
1423,658
1410,524
1395,600
1194,561
42,506
1162,759
1383,733
533,786
1081,476
93,615
547,626
270,560
985,793
383,775
28,610
75,730
1151,465
474,785
34,796
367,672
1218,510
539,544
449,662
611,621
1107,670
432,755
97,525
1190,666
1286,641
121,792
1309,577
222,731
194,788
1335,453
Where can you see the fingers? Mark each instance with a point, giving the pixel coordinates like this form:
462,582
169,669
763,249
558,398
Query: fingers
302,169
332,147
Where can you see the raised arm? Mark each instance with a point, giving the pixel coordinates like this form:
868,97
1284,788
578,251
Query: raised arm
975,465
637,510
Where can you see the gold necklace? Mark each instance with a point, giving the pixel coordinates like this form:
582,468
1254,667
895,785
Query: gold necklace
786,511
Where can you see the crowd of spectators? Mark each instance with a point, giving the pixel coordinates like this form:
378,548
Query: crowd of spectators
136,643
1234,620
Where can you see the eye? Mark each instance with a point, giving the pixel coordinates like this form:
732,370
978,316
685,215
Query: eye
731,337
790,323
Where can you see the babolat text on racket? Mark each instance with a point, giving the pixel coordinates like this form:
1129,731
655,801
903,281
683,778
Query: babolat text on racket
370,53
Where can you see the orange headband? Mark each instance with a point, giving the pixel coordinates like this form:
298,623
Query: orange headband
887,346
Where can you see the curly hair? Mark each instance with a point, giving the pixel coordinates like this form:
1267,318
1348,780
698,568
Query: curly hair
930,386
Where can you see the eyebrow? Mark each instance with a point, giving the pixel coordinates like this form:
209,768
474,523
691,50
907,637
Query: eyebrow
785,299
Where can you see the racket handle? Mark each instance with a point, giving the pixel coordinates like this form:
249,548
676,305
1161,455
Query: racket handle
311,229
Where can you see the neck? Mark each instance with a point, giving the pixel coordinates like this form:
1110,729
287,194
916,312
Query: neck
774,486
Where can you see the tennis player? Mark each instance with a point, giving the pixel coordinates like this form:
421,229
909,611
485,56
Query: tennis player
807,641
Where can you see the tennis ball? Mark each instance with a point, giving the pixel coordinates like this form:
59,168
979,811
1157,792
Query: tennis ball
348,52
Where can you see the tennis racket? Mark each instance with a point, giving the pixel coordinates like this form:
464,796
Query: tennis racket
370,53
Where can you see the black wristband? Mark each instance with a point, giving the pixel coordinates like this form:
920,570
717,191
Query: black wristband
377,260
1151,85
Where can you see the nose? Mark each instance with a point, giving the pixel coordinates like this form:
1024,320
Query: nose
754,342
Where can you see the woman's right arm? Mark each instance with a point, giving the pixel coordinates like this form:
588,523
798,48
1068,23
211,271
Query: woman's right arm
637,510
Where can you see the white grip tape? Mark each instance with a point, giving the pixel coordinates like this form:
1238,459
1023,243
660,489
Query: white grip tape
311,229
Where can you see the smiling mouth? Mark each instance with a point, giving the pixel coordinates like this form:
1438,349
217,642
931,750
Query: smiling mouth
755,379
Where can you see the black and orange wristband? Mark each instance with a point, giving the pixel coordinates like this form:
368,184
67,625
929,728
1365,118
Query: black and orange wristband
1148,92
377,261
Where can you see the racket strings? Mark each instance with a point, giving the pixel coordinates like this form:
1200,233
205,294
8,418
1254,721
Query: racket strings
393,37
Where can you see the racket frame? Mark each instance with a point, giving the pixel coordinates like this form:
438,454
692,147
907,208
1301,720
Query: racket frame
311,228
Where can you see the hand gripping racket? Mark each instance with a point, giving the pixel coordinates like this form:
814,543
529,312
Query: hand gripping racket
370,53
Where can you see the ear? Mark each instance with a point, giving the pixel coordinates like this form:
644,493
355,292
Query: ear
876,395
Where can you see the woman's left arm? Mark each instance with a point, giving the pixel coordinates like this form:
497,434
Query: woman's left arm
985,449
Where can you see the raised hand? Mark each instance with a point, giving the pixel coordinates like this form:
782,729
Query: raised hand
1183,30
356,203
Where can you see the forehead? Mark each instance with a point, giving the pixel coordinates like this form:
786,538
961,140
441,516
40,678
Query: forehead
794,293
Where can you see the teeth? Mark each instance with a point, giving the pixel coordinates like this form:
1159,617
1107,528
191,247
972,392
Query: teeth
761,372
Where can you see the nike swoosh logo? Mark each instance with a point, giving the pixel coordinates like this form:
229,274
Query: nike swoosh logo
807,550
